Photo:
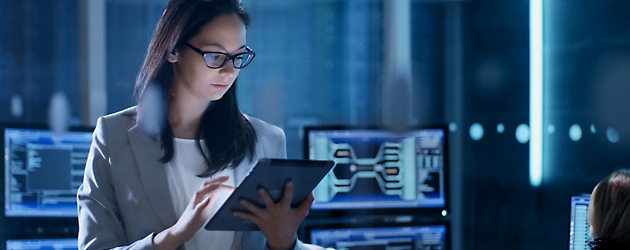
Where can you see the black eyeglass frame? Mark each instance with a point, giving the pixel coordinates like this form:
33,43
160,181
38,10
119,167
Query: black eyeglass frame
227,56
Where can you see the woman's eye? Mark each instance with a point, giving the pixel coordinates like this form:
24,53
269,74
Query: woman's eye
216,56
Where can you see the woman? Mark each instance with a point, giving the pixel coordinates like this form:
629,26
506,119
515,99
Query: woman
155,171
609,212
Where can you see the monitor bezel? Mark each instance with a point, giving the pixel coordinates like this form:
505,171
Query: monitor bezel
32,227
441,211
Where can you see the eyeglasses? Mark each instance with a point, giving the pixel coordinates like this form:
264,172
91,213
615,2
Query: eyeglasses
215,60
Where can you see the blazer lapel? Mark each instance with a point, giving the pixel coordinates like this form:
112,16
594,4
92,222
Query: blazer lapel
147,153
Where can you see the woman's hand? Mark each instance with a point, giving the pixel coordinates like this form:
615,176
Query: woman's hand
277,221
196,213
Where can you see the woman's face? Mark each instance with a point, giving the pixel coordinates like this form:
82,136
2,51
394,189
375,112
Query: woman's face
192,78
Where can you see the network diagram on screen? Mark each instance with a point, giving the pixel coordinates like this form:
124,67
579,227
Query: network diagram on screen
43,171
379,169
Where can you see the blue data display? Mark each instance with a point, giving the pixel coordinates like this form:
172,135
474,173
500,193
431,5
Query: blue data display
43,171
579,227
386,238
43,244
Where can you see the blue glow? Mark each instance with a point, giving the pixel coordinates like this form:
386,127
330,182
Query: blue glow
476,131
575,132
551,128
452,127
522,133
535,92
500,128
612,135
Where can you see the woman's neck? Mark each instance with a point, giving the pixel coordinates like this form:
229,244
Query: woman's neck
184,117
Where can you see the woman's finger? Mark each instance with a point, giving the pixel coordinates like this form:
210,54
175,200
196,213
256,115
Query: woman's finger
209,187
254,209
217,180
305,205
288,194
247,216
203,192
202,204
266,198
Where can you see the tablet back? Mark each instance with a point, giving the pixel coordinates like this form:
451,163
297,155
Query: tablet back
271,174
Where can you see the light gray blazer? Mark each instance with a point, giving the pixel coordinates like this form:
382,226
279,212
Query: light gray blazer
124,199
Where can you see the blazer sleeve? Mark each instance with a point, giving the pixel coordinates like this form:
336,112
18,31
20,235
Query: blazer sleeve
100,226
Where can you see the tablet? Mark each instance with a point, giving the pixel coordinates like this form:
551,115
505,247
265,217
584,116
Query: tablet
271,174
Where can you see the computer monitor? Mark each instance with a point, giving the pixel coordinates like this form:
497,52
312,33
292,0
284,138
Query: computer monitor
43,170
42,244
378,170
579,227
419,237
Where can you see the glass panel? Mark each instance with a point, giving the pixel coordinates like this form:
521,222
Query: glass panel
428,56
130,25
587,89
586,97
317,62
39,56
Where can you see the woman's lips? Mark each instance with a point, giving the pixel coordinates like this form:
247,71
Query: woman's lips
219,85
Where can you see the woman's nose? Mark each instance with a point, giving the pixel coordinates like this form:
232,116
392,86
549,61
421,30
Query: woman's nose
227,70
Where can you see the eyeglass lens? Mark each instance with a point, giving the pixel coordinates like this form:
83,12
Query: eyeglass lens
217,60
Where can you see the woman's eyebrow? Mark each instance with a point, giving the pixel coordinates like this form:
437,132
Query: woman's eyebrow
223,47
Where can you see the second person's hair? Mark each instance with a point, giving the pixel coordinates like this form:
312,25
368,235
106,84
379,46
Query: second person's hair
611,207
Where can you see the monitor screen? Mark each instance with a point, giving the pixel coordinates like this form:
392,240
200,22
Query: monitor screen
579,228
382,238
378,168
43,244
43,170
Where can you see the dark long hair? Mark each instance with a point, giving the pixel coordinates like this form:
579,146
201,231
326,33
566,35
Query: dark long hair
229,137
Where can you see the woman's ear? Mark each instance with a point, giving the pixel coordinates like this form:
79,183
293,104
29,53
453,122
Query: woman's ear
172,57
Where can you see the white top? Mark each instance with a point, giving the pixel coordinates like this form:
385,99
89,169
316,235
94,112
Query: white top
183,182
